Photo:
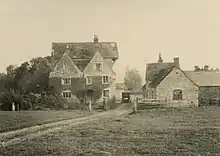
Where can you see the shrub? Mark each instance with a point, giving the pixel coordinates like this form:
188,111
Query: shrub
10,96
75,103
111,103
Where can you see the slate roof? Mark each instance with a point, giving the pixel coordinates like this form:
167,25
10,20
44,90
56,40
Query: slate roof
86,49
202,78
158,77
153,69
65,68
81,63
82,52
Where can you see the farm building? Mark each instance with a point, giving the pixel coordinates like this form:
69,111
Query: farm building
168,83
84,68
119,89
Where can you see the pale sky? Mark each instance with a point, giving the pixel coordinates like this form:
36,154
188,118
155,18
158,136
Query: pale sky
189,29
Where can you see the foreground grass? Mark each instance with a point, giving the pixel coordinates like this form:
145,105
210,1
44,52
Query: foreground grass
20,119
150,132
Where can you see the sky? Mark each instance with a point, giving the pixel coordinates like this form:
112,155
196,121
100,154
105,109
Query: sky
188,29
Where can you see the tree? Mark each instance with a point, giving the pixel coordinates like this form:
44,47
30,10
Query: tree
206,68
19,82
196,68
132,79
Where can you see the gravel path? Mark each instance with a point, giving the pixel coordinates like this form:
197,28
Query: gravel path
15,137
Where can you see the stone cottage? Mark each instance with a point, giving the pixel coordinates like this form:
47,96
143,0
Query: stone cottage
84,68
167,82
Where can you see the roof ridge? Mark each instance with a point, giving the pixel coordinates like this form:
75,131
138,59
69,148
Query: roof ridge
78,42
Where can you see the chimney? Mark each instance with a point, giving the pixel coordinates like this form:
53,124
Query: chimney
160,60
176,62
95,39
67,49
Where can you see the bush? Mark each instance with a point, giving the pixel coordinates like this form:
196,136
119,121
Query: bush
111,103
8,97
75,103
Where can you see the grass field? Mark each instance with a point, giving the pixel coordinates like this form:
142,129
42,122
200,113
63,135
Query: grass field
189,131
19,119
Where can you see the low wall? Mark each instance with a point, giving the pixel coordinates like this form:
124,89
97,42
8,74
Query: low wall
170,103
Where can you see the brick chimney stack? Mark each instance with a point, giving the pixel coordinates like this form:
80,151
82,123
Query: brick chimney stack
160,60
96,39
176,62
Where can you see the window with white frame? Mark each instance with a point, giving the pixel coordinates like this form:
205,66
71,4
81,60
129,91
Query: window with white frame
105,79
66,81
98,67
88,80
66,94
106,93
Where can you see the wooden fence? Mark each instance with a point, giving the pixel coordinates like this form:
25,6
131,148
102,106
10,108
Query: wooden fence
155,103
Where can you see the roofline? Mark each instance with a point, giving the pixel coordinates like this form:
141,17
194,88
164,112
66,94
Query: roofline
183,73
187,76
63,42
163,78
209,86
159,63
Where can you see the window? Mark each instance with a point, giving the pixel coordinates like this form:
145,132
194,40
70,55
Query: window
66,81
105,79
152,94
88,80
106,93
177,94
66,94
99,67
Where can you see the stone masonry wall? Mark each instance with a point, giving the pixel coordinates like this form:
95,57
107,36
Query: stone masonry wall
178,80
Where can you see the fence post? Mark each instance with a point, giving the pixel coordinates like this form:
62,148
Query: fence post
135,104
105,104
90,105
13,106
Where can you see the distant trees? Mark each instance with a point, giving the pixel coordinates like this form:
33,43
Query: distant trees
205,68
132,79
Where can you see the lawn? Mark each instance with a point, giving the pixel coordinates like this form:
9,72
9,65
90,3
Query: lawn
20,119
189,131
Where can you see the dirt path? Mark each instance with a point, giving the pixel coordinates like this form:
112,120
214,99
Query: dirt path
15,137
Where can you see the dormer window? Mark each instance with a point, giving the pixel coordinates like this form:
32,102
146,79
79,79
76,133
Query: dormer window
66,81
98,67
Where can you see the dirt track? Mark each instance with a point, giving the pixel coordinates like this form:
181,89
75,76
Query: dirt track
15,137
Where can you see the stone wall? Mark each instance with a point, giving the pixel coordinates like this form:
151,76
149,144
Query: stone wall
178,80
209,92
77,84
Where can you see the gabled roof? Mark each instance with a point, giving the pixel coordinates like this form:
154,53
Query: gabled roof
158,77
90,68
85,49
202,78
65,68
81,63
154,68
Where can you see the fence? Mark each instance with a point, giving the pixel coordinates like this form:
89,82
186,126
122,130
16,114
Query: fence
209,101
155,103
